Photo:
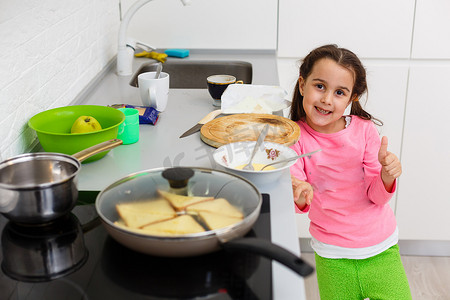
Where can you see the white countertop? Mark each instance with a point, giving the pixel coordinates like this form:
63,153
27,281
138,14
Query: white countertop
160,146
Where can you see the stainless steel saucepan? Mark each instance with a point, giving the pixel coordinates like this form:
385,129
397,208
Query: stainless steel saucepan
144,186
40,187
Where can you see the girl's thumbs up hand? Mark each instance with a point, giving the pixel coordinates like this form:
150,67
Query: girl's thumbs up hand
391,167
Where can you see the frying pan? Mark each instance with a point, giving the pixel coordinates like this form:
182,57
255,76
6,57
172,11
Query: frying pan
36,188
144,186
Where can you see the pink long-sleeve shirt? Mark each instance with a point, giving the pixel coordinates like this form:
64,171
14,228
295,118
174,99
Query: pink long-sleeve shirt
350,204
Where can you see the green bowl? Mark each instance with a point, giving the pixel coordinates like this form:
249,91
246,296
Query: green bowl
53,128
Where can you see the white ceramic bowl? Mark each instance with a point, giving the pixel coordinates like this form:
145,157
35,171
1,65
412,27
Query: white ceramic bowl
237,154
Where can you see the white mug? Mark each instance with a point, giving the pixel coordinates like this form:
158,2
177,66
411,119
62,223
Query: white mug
154,91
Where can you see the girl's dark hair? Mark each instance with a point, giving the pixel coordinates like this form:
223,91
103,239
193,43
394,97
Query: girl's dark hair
348,60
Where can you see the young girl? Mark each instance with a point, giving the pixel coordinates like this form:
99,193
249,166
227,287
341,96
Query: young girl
346,186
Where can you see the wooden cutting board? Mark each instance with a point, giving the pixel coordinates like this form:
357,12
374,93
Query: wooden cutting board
246,127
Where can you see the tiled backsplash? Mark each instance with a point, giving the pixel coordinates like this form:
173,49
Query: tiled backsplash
49,51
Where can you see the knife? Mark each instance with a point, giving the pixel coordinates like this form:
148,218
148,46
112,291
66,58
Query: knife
209,117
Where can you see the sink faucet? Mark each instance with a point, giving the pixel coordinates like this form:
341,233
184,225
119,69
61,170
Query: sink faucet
125,52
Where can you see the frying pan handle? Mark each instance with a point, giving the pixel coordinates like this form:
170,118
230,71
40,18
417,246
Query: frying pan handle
271,251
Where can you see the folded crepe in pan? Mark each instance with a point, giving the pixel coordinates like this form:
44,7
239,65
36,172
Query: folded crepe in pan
180,202
219,206
138,214
183,224
217,221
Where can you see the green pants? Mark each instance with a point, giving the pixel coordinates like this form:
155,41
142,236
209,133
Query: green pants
378,277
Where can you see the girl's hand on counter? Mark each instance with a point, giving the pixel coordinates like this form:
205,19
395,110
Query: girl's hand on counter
303,192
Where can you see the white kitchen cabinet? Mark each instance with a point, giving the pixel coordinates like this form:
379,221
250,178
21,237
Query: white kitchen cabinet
387,85
303,225
288,72
206,24
371,28
423,206
408,73
432,29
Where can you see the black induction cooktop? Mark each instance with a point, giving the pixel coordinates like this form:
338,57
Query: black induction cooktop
75,258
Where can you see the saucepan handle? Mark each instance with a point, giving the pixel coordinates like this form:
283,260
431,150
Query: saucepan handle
271,251
91,151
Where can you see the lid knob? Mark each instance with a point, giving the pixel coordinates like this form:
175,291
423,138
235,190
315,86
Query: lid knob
178,177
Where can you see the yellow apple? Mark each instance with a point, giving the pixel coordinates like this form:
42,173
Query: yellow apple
85,124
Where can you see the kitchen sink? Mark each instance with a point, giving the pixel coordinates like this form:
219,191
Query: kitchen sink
192,74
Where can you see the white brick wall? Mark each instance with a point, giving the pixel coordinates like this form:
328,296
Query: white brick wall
49,51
